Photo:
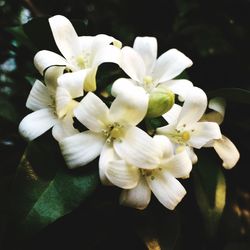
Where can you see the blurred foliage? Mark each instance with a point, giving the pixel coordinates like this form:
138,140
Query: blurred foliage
216,36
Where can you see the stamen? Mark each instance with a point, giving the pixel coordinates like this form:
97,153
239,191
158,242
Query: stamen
179,137
83,60
114,132
185,136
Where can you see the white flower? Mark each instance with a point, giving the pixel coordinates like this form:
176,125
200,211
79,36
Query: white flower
53,107
184,127
161,180
80,54
224,146
149,72
115,127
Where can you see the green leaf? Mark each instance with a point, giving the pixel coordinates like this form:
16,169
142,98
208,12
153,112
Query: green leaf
5,182
210,191
232,94
153,123
20,36
7,110
45,190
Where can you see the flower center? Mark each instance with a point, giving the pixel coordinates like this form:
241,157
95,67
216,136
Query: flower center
148,83
180,136
150,173
114,131
147,80
83,60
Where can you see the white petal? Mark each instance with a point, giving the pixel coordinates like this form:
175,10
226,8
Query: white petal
131,105
217,104
167,189
227,152
147,48
39,97
90,80
63,100
51,76
107,54
92,112
45,59
65,37
180,165
166,130
191,154
80,149
121,86
107,154
102,40
132,64
203,132
169,65
164,144
138,149
193,108
64,128
172,115
73,82
138,197
122,174
86,42
37,123
180,87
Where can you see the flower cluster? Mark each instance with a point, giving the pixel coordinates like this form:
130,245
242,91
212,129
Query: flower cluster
130,155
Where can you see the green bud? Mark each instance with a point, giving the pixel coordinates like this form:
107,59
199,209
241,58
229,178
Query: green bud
161,101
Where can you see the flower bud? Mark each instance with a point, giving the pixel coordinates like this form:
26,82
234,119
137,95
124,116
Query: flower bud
161,100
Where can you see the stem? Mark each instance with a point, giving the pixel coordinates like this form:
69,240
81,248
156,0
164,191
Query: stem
36,12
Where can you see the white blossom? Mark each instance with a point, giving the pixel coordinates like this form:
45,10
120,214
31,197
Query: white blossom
81,54
161,179
184,127
53,107
115,127
141,64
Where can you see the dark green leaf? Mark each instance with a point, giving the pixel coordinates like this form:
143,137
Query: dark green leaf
7,110
153,123
210,191
20,36
5,182
45,190
232,94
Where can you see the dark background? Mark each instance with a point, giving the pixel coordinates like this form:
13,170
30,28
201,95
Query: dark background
215,34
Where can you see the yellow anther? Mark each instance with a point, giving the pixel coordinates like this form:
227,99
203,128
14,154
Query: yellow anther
185,136
116,133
